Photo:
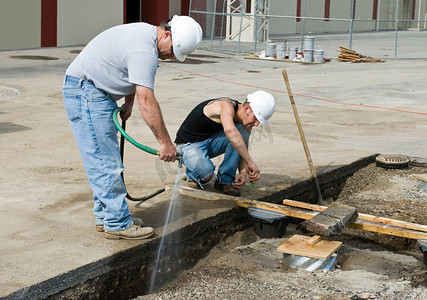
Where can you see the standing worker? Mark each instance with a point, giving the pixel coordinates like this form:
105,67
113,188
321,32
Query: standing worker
222,126
121,62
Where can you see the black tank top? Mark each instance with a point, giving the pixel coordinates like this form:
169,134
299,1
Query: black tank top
197,126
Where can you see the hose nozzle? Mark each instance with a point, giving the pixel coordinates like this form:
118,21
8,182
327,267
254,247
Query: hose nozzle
179,158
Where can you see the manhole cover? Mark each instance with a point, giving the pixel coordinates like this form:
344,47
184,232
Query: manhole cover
391,161
34,57
7,93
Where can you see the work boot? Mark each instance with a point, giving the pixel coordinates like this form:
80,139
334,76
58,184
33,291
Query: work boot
193,185
136,221
134,232
227,189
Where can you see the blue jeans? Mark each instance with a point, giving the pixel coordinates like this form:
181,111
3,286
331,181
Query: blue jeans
197,157
90,114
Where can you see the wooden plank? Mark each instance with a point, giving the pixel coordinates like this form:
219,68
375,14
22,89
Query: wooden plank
304,214
361,216
422,177
290,211
314,240
360,224
297,245
203,194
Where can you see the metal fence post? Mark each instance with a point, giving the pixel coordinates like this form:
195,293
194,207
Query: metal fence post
213,23
303,27
222,24
396,28
350,43
257,13
242,4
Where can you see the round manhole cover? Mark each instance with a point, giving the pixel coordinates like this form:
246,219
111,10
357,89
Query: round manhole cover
7,93
392,161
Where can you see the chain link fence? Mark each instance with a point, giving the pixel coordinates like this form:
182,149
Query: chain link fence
375,28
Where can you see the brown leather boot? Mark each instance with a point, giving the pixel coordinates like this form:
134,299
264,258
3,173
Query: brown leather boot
227,189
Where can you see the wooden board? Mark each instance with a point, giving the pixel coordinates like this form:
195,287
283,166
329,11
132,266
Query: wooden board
297,245
422,177
253,56
361,216
359,224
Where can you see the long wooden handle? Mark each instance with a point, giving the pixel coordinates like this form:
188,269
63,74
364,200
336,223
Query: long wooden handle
301,133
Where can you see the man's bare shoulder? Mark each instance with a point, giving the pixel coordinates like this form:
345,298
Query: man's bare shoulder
217,107
221,100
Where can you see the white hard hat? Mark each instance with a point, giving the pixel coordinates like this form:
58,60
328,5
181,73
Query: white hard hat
186,36
263,105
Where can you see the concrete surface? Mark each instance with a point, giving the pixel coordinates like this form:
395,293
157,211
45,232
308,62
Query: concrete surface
347,111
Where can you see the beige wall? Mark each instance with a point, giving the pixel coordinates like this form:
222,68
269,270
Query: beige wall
174,7
81,20
20,23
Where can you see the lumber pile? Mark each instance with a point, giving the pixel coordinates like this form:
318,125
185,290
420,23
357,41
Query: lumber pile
301,210
353,56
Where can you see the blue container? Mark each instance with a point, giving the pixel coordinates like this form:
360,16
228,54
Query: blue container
268,224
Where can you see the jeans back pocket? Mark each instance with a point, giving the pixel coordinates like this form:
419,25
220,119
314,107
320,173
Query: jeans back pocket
73,106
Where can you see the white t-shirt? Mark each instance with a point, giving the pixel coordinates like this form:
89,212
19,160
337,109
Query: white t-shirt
118,58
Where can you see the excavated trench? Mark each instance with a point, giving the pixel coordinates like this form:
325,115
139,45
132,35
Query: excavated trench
127,274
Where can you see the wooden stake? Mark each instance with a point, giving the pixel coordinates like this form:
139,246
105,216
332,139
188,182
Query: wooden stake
301,132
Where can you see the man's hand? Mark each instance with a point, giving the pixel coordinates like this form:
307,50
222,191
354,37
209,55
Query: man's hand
168,152
240,181
254,173
128,111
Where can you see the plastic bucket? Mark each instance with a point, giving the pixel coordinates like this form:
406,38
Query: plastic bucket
293,52
318,56
270,49
281,51
308,43
308,55
268,224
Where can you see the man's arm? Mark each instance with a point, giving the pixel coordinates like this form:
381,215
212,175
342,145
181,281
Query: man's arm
236,139
152,115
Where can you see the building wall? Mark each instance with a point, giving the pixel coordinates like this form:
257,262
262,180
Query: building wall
81,20
69,22
20,24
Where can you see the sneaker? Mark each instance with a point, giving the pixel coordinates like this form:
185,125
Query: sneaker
227,189
134,232
136,221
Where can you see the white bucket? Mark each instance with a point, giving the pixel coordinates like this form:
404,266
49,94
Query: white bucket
318,56
308,43
270,49
308,55
281,51
293,52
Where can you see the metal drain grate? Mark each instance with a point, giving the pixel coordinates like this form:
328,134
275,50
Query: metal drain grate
390,161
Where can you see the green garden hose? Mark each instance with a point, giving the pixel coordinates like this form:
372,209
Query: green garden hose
124,136
131,140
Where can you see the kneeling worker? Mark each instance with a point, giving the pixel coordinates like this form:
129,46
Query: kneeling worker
222,126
